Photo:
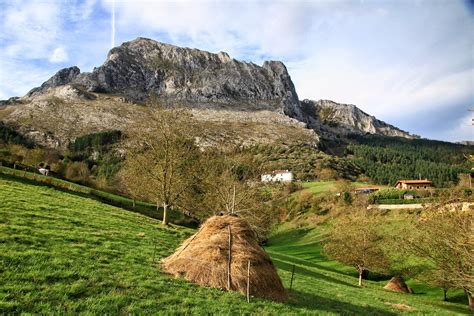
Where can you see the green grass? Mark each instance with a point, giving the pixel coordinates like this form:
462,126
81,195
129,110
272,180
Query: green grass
64,253
321,187
105,197
302,247
318,187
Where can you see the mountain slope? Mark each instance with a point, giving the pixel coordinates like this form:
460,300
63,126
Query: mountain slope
332,118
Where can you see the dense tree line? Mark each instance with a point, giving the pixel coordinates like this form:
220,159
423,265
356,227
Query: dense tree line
94,141
9,136
386,161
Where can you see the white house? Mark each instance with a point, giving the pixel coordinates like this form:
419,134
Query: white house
278,176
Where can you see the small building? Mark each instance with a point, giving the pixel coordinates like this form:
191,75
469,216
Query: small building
278,176
366,189
414,184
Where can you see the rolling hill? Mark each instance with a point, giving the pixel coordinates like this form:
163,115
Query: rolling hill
64,253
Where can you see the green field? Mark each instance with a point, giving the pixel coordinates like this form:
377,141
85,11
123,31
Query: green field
105,197
318,187
321,187
64,253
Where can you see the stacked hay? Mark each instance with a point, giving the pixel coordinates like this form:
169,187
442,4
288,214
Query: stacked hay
204,259
397,284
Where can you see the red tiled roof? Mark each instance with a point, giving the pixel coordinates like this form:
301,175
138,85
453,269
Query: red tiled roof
414,181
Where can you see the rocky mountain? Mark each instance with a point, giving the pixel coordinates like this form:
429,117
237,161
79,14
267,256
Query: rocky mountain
237,101
143,67
62,77
330,118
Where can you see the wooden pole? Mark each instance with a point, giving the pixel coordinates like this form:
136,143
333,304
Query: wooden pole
233,201
292,276
248,282
229,260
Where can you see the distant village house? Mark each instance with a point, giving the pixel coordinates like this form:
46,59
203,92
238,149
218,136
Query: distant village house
278,176
414,184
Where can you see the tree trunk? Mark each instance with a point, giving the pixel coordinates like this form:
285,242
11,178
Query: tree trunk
445,295
133,203
165,214
470,299
361,271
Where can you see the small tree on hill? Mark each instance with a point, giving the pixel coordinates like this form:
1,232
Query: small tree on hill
355,241
444,238
161,164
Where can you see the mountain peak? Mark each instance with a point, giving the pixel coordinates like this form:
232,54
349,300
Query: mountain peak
193,77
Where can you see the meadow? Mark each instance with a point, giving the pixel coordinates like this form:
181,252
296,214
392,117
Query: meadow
66,253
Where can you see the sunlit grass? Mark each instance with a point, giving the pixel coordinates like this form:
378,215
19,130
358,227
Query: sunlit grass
64,253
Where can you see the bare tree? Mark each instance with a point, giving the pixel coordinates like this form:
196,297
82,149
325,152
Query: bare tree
443,237
229,187
355,241
161,163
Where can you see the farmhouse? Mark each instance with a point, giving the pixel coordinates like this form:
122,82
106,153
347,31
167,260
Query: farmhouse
414,184
278,176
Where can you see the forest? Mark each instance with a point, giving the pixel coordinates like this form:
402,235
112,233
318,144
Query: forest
386,160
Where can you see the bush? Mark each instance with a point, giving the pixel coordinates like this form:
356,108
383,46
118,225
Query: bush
78,172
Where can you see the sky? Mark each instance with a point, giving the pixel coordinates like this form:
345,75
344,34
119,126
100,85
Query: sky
407,62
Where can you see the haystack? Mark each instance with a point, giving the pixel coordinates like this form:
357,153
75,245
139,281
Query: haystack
397,284
204,259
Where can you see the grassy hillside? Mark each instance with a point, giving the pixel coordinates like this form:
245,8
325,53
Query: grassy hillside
65,253
141,207
332,284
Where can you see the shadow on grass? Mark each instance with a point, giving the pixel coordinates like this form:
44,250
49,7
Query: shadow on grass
293,235
461,309
323,304
302,271
308,263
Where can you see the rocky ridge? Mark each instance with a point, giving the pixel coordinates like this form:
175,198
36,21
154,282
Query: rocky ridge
196,78
330,118
239,98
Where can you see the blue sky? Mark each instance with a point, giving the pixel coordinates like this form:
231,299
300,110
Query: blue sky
409,63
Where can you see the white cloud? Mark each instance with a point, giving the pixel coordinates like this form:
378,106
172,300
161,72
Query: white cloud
17,77
30,28
59,55
275,29
462,130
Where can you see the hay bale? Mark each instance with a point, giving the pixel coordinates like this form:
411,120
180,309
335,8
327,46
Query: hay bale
397,284
203,259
